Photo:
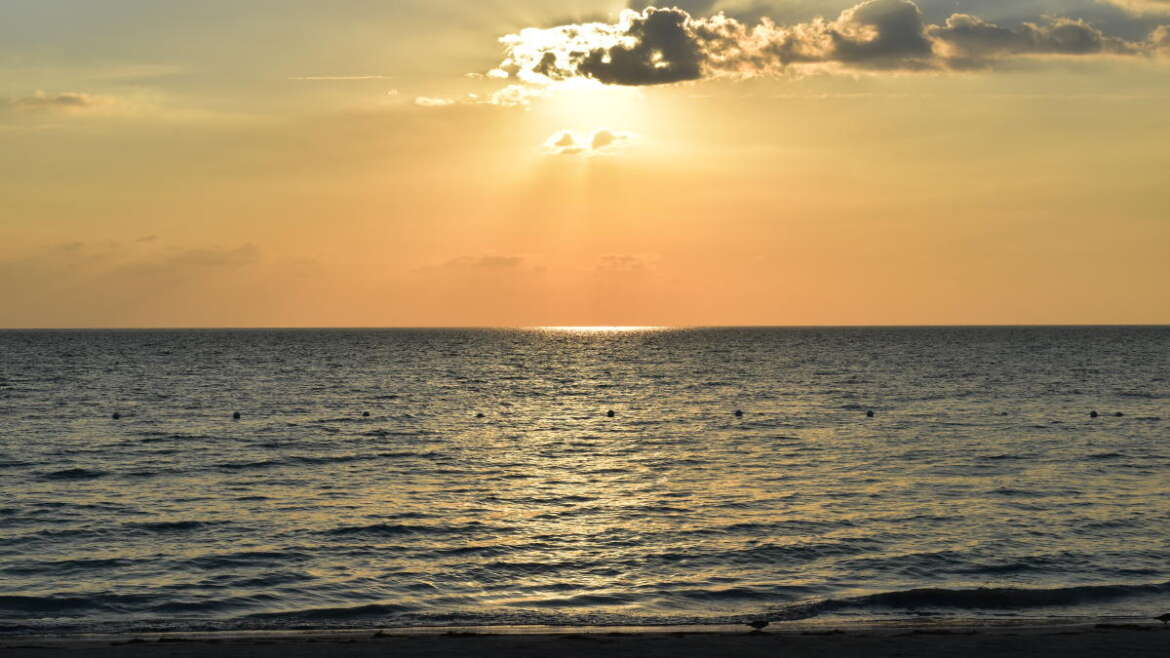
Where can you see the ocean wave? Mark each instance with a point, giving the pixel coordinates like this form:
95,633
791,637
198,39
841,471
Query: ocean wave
327,459
218,606
370,610
1142,395
1003,457
74,474
68,605
247,466
384,433
243,559
984,598
404,454
579,601
1108,455
398,529
173,526
82,566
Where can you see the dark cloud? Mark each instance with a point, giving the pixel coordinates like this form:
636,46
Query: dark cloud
661,46
654,46
966,37
660,50
879,32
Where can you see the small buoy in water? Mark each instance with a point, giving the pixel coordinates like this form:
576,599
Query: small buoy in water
869,414
739,413
116,415
365,414
236,416
758,624
1118,415
610,413
479,415
1093,414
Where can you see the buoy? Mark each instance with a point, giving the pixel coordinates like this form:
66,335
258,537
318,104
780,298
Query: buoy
1093,414
869,414
739,413
365,414
236,416
116,415
610,413
1118,415
479,415
758,624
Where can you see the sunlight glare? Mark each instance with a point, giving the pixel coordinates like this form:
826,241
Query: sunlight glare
600,329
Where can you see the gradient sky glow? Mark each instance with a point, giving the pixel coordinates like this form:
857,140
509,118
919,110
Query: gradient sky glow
541,162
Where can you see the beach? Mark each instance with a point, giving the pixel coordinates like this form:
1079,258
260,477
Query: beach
881,641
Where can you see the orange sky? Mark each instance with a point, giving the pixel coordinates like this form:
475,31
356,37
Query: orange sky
362,164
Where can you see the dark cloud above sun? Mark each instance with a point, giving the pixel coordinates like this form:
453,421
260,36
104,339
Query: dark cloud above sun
653,46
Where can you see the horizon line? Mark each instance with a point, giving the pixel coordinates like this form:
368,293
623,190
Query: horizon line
680,327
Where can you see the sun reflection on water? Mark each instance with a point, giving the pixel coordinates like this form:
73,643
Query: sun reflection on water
600,329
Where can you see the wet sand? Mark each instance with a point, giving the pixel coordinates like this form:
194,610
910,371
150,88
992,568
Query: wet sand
902,641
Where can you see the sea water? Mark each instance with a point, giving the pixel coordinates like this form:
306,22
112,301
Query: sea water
488,483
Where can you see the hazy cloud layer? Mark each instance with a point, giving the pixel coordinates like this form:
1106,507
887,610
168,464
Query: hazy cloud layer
340,78
660,46
1143,6
510,96
248,254
625,263
70,100
490,262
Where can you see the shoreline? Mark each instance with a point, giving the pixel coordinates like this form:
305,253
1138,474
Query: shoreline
903,637
887,639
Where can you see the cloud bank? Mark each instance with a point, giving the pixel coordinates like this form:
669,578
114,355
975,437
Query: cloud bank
667,45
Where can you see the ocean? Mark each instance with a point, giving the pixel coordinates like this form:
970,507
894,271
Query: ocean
388,478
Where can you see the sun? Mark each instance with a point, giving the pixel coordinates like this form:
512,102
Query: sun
582,104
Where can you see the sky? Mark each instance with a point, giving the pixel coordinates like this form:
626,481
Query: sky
358,163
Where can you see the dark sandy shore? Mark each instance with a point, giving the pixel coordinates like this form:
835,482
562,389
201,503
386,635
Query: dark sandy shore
902,641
